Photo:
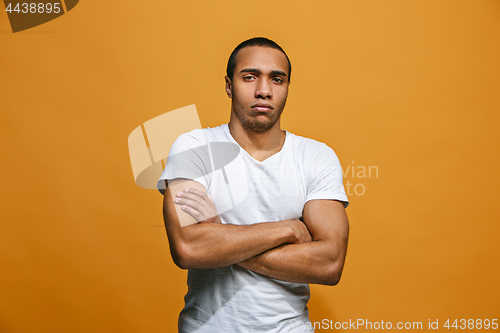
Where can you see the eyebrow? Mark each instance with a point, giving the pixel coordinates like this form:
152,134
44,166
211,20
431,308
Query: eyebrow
255,70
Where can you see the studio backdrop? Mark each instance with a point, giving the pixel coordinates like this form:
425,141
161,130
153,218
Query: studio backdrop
407,93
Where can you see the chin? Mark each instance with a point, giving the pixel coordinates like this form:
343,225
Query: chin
258,126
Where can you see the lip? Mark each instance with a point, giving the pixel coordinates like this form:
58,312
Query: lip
262,107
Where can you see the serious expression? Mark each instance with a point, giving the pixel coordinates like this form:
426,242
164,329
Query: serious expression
259,87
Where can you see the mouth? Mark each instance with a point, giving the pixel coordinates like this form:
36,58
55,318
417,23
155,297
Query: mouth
262,107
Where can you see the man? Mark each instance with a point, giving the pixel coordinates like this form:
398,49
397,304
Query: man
254,213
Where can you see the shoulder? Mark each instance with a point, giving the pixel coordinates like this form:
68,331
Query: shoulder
197,138
310,149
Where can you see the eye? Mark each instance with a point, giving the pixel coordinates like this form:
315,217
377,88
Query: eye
278,80
248,77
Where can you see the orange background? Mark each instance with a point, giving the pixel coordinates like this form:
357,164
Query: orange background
412,87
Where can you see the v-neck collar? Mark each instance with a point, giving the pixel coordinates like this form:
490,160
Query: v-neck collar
272,157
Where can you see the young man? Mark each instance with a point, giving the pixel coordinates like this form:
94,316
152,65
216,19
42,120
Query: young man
254,212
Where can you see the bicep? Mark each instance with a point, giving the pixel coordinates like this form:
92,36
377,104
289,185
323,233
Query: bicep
172,212
327,221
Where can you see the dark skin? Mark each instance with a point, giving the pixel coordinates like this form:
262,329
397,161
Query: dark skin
214,245
308,251
303,262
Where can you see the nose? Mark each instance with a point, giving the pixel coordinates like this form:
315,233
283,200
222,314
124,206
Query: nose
263,89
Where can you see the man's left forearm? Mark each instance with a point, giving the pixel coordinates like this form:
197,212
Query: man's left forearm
318,262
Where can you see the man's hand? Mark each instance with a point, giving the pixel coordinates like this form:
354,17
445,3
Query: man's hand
301,232
198,204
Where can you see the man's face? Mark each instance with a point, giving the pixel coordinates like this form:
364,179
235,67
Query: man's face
259,87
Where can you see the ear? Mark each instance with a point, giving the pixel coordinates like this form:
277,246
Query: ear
229,87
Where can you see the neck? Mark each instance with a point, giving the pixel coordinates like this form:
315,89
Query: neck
258,145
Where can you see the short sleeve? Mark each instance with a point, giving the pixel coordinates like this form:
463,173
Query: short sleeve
188,158
325,180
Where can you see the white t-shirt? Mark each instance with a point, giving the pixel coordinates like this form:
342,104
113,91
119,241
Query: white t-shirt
246,191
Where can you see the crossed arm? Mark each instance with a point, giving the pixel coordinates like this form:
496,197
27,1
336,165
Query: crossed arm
312,251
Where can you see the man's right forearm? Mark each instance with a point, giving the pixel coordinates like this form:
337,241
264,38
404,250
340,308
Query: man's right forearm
213,245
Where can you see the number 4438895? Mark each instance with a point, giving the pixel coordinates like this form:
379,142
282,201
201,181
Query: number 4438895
34,7
472,324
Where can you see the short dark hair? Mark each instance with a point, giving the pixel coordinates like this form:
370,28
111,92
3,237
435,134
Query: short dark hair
256,41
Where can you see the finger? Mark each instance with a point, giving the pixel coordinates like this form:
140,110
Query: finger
193,196
209,210
194,213
210,198
201,194
202,206
194,204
